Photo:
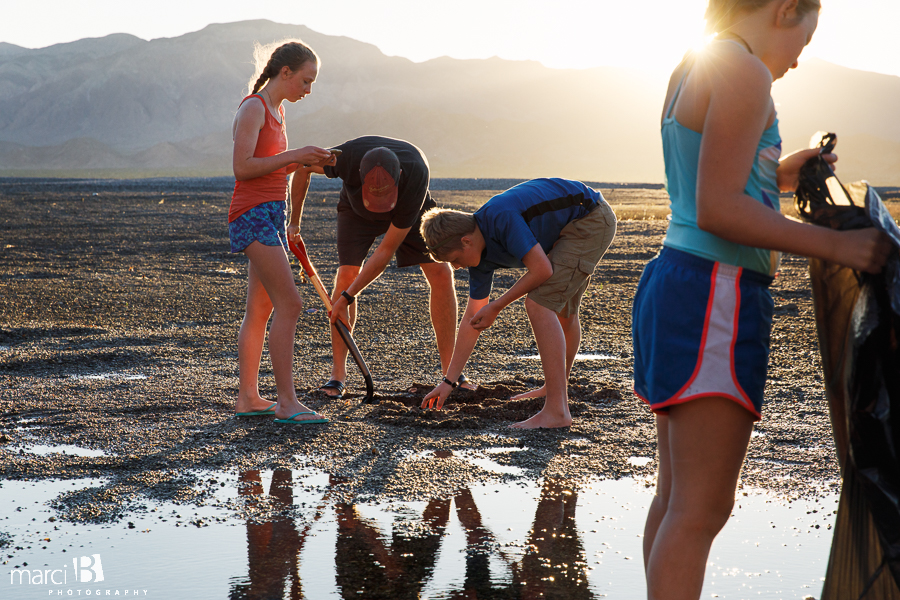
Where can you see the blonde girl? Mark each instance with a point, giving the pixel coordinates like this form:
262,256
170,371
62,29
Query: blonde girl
702,313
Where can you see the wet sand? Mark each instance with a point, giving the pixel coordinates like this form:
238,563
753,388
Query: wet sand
121,306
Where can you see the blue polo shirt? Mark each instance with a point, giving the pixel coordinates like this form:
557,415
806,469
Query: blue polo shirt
512,223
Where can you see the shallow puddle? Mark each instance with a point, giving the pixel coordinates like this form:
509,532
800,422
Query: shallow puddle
277,534
44,450
579,356
110,377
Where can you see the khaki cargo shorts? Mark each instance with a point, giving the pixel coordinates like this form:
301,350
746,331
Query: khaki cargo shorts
582,243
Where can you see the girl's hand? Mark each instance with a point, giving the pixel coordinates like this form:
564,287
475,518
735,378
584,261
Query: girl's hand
484,318
865,250
311,155
436,397
789,167
293,232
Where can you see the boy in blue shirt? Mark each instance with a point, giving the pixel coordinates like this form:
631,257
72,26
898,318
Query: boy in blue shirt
558,230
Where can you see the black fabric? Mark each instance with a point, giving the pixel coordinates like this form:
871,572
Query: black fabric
858,331
356,235
561,203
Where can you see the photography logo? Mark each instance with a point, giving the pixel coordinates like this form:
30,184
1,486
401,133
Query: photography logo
87,569
81,581
91,569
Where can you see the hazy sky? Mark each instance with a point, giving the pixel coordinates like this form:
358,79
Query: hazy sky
647,34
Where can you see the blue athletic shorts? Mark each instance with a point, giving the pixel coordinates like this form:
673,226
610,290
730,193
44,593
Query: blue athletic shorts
700,328
264,223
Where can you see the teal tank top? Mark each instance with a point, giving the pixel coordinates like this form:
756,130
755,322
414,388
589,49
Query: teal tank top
681,152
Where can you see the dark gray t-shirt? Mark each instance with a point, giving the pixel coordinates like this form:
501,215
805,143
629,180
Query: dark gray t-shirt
412,192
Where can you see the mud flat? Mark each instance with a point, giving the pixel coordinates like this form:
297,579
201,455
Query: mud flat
118,326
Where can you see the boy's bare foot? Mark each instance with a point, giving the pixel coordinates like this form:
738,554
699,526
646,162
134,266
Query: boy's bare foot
544,420
536,393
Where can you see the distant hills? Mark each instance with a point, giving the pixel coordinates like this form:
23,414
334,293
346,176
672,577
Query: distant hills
123,106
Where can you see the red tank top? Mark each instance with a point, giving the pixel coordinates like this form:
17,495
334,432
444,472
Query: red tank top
272,187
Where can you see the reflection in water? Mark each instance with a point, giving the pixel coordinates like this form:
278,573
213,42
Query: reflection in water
368,566
398,566
273,547
554,565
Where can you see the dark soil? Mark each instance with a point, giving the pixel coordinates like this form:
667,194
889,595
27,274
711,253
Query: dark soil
118,326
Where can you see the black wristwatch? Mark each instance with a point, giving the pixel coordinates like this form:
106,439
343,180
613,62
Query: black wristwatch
452,384
350,299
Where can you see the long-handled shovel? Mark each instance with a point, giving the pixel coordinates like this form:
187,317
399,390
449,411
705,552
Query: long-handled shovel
299,251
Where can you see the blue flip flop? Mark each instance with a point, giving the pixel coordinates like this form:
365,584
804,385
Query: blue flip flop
290,420
259,413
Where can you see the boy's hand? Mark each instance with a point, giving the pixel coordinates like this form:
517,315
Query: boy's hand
436,397
293,232
485,317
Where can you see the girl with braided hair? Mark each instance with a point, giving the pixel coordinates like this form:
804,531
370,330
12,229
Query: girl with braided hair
256,226
702,312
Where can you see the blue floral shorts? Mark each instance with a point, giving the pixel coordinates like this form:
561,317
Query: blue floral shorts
264,223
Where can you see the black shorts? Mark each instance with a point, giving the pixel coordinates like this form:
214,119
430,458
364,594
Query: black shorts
355,236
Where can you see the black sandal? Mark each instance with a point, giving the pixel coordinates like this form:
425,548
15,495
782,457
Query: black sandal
334,384
463,380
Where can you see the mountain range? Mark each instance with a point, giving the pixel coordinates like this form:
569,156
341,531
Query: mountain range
120,105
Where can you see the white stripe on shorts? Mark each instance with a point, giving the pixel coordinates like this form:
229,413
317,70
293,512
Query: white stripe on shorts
715,373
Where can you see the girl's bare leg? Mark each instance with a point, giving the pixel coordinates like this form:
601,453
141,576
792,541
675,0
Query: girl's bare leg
250,344
274,274
663,486
707,440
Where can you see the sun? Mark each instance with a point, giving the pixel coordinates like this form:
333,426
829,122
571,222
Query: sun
703,43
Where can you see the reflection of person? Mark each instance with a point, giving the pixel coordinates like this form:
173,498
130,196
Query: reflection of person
256,227
477,582
558,230
384,192
368,568
702,313
555,565
273,547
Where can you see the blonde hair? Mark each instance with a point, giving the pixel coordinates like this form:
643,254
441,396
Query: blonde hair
443,230
270,59
721,14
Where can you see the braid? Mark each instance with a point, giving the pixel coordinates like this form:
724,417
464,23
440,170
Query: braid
261,81
292,54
